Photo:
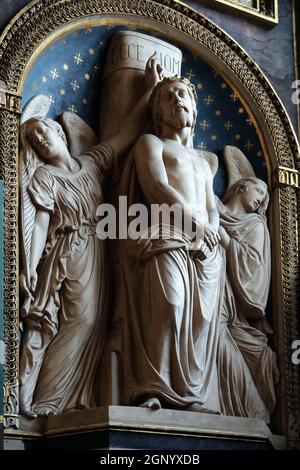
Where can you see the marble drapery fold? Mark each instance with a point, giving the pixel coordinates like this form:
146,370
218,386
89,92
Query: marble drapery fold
169,305
245,361
70,307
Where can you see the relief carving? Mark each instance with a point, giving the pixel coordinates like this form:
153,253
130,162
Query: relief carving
204,318
17,48
65,276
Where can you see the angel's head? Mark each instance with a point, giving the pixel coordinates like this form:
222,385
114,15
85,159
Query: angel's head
45,136
174,101
252,194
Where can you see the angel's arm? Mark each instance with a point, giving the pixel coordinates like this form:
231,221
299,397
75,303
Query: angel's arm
225,238
211,235
137,120
39,237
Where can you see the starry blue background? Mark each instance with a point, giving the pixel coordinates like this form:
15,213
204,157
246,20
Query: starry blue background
69,71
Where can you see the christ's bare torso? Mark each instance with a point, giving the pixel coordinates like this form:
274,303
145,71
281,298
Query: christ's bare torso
187,173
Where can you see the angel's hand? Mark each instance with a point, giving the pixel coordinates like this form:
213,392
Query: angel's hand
225,238
154,73
202,252
211,236
33,280
23,285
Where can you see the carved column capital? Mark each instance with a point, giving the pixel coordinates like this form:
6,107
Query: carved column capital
9,100
284,176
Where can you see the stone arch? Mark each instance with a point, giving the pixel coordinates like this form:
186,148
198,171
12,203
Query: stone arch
43,20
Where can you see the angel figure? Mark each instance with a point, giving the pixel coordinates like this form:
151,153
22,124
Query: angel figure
64,274
246,364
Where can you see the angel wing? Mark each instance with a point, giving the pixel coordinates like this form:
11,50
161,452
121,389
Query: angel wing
38,107
79,134
80,138
211,159
237,164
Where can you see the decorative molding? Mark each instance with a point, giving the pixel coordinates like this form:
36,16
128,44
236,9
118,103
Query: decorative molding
27,34
289,234
9,100
286,177
260,10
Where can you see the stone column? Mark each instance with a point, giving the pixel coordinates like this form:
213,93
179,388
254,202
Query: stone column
123,81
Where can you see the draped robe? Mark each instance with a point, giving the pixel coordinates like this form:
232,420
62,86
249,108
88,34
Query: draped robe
67,321
169,306
245,361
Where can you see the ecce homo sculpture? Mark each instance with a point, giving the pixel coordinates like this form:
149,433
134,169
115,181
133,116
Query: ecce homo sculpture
196,320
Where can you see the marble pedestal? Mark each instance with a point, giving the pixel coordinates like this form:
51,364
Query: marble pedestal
119,427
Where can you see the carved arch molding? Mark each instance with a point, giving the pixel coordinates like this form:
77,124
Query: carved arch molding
41,20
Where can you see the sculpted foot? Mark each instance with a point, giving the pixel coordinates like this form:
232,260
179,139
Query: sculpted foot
153,403
44,410
28,412
202,409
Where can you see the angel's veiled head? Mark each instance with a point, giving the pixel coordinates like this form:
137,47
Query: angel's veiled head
249,193
45,136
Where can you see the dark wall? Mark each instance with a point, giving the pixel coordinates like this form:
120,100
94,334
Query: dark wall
8,9
270,48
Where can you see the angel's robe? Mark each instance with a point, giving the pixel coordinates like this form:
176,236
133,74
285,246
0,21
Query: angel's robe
67,322
169,304
245,361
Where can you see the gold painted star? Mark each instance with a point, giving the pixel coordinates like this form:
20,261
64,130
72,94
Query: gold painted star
72,109
218,112
62,91
74,84
241,110
201,146
190,74
204,125
66,67
248,145
234,96
228,125
213,137
91,51
78,58
223,85
208,100
54,74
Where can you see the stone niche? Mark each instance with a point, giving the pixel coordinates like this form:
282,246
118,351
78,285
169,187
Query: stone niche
85,68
